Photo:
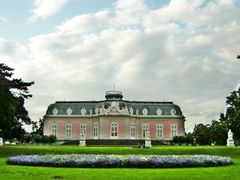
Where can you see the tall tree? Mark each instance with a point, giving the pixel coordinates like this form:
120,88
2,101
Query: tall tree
37,127
40,127
13,93
218,131
232,116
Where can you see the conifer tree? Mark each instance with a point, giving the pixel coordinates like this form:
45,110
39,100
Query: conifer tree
13,93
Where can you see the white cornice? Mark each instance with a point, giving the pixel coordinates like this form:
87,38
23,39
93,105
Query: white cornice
117,115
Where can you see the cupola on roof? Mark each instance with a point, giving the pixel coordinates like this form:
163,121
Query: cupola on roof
113,95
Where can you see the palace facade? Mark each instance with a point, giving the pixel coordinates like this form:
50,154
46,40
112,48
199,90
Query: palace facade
113,119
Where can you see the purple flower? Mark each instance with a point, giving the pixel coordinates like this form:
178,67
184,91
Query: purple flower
113,161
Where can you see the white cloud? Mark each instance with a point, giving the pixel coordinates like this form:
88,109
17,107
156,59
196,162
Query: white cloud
3,45
45,8
3,19
180,52
129,12
86,23
10,49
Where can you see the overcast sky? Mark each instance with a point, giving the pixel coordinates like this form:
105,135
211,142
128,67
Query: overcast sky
180,50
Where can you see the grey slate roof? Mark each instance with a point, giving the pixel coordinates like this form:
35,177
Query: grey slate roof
77,106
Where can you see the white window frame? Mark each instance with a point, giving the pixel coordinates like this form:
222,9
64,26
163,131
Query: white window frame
145,128
173,130
54,129
114,130
132,130
159,131
68,130
82,128
95,130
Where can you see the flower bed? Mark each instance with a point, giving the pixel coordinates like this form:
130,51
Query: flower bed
120,161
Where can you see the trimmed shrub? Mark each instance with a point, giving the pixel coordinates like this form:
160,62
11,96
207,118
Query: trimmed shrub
36,138
45,139
179,139
189,139
27,138
52,139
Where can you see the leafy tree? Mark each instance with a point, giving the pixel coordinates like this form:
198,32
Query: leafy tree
34,126
13,93
218,131
39,129
232,115
202,134
189,138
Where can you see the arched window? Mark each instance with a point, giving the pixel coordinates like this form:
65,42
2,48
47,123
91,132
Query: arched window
68,130
114,130
54,129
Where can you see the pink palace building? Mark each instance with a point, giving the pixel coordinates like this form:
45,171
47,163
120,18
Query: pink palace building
114,120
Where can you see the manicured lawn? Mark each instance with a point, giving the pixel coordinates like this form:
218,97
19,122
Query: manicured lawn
25,172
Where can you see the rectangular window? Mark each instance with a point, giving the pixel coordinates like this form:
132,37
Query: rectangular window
132,130
145,128
173,130
159,131
95,130
54,130
68,131
82,130
114,130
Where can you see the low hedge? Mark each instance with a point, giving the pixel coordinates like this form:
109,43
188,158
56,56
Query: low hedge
120,161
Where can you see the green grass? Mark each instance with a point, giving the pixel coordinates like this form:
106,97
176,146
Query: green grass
26,172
